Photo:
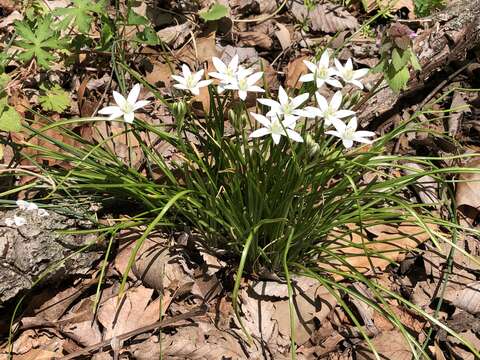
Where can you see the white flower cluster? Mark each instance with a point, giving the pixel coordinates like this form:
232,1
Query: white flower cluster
23,205
282,116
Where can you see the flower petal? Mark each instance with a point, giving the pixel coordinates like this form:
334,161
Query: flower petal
255,88
109,110
242,94
252,79
357,74
116,115
133,95
344,113
307,78
260,132
261,119
204,83
299,100
140,104
294,135
336,101
347,143
325,59
219,65
276,138
310,66
180,79
283,96
119,99
269,102
321,101
234,63
129,117
186,70
334,83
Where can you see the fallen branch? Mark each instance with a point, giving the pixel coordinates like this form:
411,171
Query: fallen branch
452,33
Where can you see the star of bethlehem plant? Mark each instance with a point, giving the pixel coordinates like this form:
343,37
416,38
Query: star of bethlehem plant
272,188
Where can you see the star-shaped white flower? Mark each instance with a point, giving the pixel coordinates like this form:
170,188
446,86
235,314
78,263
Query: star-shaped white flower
16,221
275,128
190,81
286,107
228,73
329,111
349,75
244,83
125,107
321,72
349,134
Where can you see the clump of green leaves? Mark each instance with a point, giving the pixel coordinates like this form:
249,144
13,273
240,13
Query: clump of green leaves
216,12
80,14
426,7
38,40
9,118
54,98
397,56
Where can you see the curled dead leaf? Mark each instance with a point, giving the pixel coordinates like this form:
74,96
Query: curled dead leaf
326,16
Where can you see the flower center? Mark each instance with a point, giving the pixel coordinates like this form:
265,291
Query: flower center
348,74
127,108
276,127
322,72
287,109
190,81
349,133
242,84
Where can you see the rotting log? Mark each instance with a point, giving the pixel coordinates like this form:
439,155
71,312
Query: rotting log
441,46
29,251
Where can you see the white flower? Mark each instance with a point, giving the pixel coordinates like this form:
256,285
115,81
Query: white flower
349,75
244,83
275,128
349,134
286,107
16,221
190,81
321,72
26,205
329,111
228,73
125,107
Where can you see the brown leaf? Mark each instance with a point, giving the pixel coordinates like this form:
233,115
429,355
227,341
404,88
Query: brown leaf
160,75
395,5
283,36
254,38
467,298
133,311
295,69
326,17
468,190
161,266
389,345
392,243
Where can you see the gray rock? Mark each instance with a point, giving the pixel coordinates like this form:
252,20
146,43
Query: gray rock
37,248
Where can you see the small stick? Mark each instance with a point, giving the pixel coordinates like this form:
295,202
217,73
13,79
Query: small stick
201,310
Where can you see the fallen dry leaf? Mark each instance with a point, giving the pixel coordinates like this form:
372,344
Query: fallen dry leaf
295,69
468,190
391,244
255,38
133,311
388,344
467,298
371,5
283,36
326,16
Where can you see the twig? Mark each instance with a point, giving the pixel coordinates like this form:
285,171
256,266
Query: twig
201,310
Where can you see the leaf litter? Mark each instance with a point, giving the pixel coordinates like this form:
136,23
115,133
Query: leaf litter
168,279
